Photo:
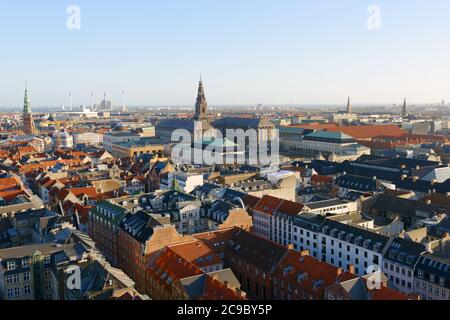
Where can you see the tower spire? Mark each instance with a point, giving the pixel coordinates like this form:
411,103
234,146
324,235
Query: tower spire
349,106
28,122
404,109
201,105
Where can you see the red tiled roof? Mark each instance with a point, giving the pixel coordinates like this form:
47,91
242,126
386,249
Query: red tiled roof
215,290
268,204
9,183
321,179
319,274
89,191
372,131
387,294
197,253
173,265
217,241
290,208
10,195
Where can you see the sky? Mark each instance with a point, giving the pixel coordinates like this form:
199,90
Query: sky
248,51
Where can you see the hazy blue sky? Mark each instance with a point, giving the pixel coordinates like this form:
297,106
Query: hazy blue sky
249,51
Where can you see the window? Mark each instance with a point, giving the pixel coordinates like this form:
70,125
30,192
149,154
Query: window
26,276
25,263
10,293
47,272
27,290
11,265
47,260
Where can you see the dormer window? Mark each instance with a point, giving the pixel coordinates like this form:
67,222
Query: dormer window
420,274
11,265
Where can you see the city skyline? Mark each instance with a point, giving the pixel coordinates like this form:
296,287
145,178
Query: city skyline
288,53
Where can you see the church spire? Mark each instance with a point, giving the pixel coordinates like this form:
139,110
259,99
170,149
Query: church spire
404,109
349,106
28,123
201,105
26,102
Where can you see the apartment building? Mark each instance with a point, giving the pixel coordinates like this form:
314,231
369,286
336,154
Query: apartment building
400,261
28,272
88,138
432,277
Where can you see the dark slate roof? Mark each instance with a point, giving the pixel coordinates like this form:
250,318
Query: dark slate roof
353,196
404,252
43,213
406,207
231,195
187,124
443,227
243,123
312,222
258,251
205,189
388,169
138,226
219,210
359,183
436,266
423,186
322,167
358,236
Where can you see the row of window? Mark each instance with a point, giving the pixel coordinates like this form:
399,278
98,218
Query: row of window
15,278
16,292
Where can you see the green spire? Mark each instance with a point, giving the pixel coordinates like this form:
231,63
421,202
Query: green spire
26,102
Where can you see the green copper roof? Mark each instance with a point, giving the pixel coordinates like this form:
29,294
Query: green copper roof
26,103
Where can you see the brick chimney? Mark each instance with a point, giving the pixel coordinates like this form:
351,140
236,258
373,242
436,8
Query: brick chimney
305,253
339,271
351,269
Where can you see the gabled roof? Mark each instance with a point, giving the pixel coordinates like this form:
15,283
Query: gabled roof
256,250
268,205
308,273
197,253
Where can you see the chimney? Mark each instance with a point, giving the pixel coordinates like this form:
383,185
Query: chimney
351,269
375,178
339,271
226,284
290,247
215,277
417,167
415,178
305,253
428,201
403,177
